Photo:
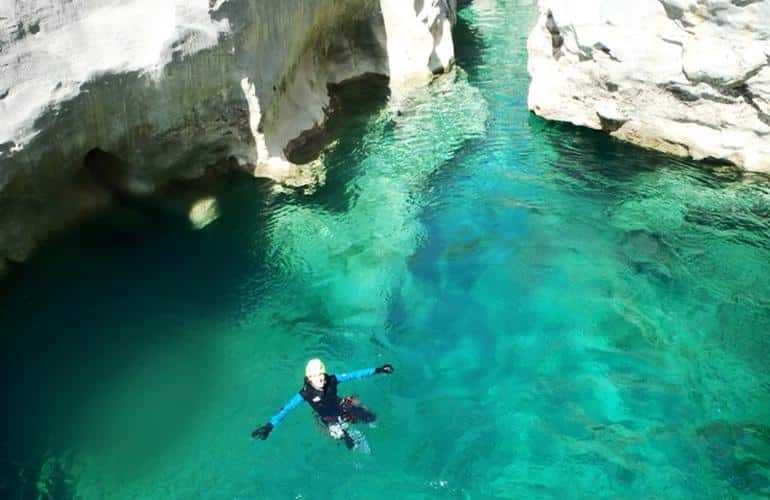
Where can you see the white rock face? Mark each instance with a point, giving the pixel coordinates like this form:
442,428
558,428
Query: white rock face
410,44
689,77
145,91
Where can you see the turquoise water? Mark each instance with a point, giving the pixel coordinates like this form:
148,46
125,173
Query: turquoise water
569,316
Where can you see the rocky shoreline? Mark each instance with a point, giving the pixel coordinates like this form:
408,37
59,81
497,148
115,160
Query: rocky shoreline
687,77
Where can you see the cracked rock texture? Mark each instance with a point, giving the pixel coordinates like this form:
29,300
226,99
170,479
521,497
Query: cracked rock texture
688,77
105,98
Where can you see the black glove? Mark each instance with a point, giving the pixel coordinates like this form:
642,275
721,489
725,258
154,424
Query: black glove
262,432
386,368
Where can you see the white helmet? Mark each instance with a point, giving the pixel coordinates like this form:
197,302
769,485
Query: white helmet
314,367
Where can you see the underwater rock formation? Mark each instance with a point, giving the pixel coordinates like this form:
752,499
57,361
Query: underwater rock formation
688,77
119,97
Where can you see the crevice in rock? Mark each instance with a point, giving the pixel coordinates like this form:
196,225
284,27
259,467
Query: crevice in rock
108,170
584,56
673,12
435,64
355,93
107,179
600,46
691,121
750,74
557,40
18,32
434,61
730,96
725,87
744,3
584,52
672,41
685,147
680,93
676,14
717,162
610,124
744,92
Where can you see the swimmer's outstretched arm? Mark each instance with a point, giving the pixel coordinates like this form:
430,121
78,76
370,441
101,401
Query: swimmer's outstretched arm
293,403
264,431
363,373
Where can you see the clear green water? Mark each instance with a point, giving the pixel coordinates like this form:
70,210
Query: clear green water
569,317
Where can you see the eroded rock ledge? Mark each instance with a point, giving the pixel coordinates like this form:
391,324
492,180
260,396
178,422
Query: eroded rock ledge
689,77
143,92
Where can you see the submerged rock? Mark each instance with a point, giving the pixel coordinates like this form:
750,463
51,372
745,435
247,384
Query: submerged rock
647,253
688,77
170,94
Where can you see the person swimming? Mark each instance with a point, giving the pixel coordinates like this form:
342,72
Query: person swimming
320,392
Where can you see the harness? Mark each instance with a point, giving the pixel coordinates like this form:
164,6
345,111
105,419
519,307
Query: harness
329,407
325,402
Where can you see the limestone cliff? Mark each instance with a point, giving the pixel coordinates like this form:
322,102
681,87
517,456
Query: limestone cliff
689,77
142,92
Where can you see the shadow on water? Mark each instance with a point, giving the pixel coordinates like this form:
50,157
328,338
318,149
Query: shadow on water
354,104
593,155
469,55
469,45
592,158
94,307
673,218
593,164
89,310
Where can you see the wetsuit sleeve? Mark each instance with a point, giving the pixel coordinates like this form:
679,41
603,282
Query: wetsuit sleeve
358,374
293,403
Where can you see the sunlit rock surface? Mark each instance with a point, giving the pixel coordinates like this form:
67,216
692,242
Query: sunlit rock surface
101,97
203,212
689,77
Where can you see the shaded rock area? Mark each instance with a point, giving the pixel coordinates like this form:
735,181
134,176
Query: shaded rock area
101,101
688,77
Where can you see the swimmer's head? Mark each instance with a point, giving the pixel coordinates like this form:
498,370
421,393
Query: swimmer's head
315,371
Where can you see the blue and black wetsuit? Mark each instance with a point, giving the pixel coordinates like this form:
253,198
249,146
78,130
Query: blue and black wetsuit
327,404
330,408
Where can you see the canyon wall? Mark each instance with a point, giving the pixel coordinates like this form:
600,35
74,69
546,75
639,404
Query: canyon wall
688,77
117,97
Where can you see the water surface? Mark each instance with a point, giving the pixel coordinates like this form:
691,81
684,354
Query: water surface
569,316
